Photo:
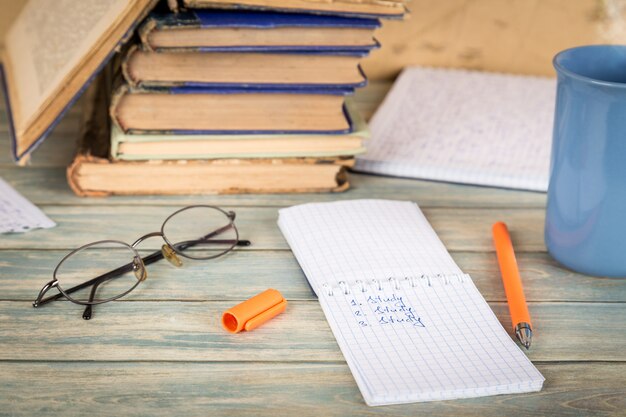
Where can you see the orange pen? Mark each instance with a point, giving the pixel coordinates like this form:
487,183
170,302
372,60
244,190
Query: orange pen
512,284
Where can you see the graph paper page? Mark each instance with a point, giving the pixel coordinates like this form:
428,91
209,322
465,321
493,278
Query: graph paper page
350,240
412,327
464,126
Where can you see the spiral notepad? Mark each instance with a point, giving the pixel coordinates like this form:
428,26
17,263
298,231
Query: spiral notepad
411,325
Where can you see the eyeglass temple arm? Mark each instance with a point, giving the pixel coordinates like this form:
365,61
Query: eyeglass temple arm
190,243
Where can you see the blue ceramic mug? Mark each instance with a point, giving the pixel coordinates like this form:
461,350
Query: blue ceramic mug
586,212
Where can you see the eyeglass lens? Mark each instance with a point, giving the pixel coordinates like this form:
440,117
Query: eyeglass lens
200,232
98,260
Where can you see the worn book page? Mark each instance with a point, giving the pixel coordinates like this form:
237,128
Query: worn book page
47,41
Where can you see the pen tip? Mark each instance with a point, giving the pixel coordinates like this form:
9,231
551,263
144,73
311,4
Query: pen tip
524,334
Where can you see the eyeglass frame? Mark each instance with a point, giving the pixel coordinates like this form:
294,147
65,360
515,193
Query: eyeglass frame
147,260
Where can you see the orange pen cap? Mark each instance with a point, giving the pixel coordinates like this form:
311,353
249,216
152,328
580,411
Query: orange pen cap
253,312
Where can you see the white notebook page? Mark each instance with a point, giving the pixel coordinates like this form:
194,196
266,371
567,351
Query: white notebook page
410,324
464,126
350,240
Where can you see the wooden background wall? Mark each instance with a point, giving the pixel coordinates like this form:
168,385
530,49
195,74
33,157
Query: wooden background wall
518,36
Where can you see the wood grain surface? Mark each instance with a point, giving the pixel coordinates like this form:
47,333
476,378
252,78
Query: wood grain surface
160,350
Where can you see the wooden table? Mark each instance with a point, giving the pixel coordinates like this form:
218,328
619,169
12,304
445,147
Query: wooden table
161,351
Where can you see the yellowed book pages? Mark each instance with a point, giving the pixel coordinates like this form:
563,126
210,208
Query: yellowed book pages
100,177
51,51
179,38
377,7
144,111
172,146
154,69
93,174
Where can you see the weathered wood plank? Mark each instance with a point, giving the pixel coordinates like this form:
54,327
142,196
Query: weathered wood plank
48,186
190,331
260,389
25,272
460,229
57,150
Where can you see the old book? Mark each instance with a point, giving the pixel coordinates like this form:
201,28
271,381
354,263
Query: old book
252,30
169,146
202,69
382,8
92,173
52,50
215,111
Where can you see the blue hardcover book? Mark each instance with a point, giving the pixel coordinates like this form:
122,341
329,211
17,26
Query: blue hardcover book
202,111
253,30
40,88
256,70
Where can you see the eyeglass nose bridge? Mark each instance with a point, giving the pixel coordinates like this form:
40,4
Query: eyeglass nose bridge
167,251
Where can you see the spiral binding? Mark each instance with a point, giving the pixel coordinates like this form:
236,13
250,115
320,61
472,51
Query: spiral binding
396,283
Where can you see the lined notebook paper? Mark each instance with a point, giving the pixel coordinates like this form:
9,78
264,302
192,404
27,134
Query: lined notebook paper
464,126
411,325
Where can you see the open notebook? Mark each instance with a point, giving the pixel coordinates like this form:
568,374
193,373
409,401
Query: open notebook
412,327
464,126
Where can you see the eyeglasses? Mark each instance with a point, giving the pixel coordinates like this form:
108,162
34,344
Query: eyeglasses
106,270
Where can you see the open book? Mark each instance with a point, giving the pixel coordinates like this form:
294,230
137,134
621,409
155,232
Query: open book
53,49
411,325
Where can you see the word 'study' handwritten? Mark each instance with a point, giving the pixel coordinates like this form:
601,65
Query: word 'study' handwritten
384,310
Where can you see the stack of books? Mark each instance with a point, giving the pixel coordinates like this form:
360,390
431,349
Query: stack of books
232,97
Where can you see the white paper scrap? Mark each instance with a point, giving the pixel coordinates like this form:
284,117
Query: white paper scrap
17,214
